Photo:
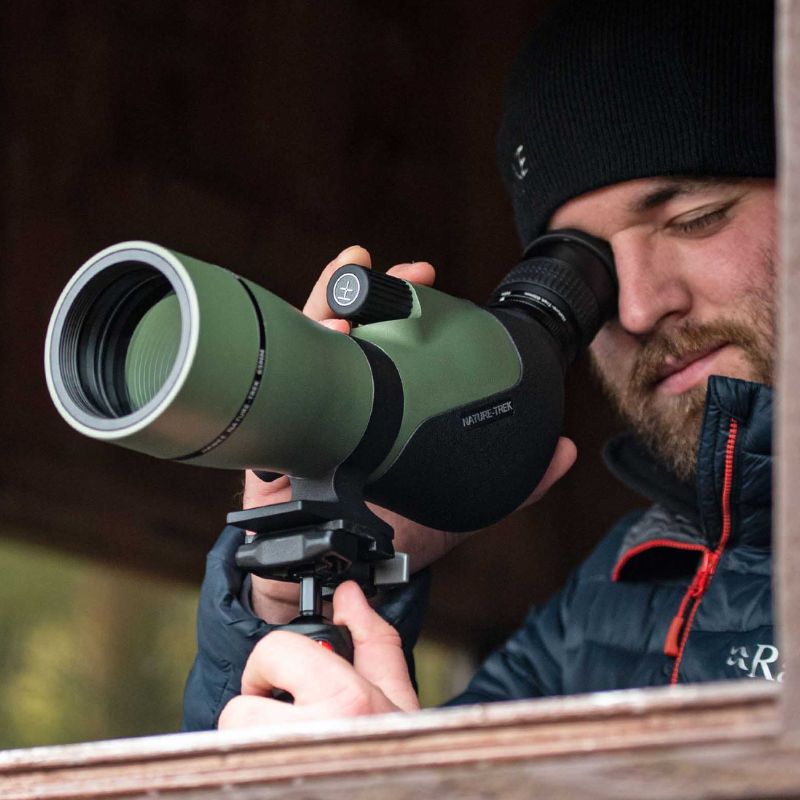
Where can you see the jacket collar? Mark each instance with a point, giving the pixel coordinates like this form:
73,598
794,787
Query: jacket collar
697,510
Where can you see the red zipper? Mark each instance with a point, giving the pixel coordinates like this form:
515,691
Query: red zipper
680,626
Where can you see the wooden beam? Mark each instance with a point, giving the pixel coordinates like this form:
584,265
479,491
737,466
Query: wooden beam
787,427
480,748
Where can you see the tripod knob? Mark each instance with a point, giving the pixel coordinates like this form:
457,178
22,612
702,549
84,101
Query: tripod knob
363,296
335,638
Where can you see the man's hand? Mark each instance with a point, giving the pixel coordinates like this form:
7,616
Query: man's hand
277,601
324,685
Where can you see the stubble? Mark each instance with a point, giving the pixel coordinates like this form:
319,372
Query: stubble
670,424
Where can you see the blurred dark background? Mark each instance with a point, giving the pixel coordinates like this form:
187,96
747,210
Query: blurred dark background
264,136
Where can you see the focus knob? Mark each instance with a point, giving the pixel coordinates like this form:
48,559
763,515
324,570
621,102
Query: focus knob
363,296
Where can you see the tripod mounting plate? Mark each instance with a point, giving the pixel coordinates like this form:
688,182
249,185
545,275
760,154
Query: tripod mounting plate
282,517
302,539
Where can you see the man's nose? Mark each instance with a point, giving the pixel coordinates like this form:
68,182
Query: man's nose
652,287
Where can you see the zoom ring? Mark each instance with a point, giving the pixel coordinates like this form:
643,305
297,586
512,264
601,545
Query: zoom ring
549,273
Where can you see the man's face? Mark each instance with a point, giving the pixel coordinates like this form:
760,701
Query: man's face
695,263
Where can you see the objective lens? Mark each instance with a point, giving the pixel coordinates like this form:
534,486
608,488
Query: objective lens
152,351
120,340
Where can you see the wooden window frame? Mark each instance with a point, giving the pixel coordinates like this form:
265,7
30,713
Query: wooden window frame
726,740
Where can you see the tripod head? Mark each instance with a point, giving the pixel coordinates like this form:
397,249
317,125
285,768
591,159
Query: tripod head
323,541
322,537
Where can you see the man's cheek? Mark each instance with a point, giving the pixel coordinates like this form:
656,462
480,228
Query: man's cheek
609,357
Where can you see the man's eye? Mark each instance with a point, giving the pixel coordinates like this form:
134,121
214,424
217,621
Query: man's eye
702,223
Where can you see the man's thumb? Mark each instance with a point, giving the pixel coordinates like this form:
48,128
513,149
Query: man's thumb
378,653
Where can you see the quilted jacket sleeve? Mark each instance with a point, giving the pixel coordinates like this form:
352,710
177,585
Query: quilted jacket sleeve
227,631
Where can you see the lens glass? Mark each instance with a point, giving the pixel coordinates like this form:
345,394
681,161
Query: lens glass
152,351
120,340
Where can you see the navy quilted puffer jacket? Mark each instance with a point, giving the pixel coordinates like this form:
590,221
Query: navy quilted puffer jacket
680,592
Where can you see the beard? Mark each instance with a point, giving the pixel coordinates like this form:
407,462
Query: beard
670,424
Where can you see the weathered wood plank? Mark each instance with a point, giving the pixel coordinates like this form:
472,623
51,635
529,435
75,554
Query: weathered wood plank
633,722
747,771
788,385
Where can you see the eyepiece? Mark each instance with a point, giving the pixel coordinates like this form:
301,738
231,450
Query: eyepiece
567,282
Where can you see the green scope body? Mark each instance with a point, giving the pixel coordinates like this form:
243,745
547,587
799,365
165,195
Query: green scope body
162,353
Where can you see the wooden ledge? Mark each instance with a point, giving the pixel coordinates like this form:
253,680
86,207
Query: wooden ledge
479,743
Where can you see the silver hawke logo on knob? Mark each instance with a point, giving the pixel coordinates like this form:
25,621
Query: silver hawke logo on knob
346,289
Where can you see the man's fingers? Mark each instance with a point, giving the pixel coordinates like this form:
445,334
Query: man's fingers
317,306
378,652
304,668
248,711
350,607
336,324
420,272
563,459
261,493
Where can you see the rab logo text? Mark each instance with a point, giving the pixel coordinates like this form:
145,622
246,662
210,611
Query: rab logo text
760,661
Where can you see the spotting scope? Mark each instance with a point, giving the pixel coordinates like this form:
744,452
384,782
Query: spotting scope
448,411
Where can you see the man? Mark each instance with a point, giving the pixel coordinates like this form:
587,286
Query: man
649,125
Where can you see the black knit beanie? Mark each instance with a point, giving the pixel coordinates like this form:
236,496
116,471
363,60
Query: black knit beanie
610,90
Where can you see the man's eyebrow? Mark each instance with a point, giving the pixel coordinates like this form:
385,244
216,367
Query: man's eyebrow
662,194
